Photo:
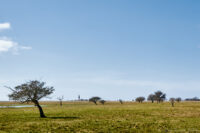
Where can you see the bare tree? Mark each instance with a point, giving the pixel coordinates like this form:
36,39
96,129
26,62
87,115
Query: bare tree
140,99
61,100
94,99
172,100
178,99
31,91
120,100
102,101
159,96
151,98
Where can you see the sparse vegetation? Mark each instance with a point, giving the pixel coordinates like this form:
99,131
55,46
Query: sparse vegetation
112,117
74,117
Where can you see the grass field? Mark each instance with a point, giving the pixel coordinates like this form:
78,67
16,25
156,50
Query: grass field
111,117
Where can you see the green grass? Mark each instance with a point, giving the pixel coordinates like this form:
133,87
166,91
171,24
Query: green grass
111,117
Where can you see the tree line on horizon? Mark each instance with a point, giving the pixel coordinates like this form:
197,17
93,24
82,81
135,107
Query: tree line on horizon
158,96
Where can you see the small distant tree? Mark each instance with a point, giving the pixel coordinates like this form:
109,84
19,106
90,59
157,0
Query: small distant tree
31,91
178,99
159,96
172,100
120,100
61,100
140,99
151,98
79,98
95,99
102,101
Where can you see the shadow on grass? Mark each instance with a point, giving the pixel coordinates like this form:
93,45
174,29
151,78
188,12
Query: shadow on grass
67,117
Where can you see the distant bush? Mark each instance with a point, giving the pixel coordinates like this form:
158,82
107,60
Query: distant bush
95,99
61,100
140,99
102,101
120,100
160,96
192,99
151,98
178,99
83,100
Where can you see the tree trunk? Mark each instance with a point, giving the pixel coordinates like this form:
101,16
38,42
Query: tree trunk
42,115
60,103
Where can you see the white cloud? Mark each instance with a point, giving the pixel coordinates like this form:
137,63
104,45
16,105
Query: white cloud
4,26
25,48
7,45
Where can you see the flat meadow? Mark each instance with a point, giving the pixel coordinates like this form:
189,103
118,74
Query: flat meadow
85,117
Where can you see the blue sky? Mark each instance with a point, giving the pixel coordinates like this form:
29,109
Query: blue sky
115,49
